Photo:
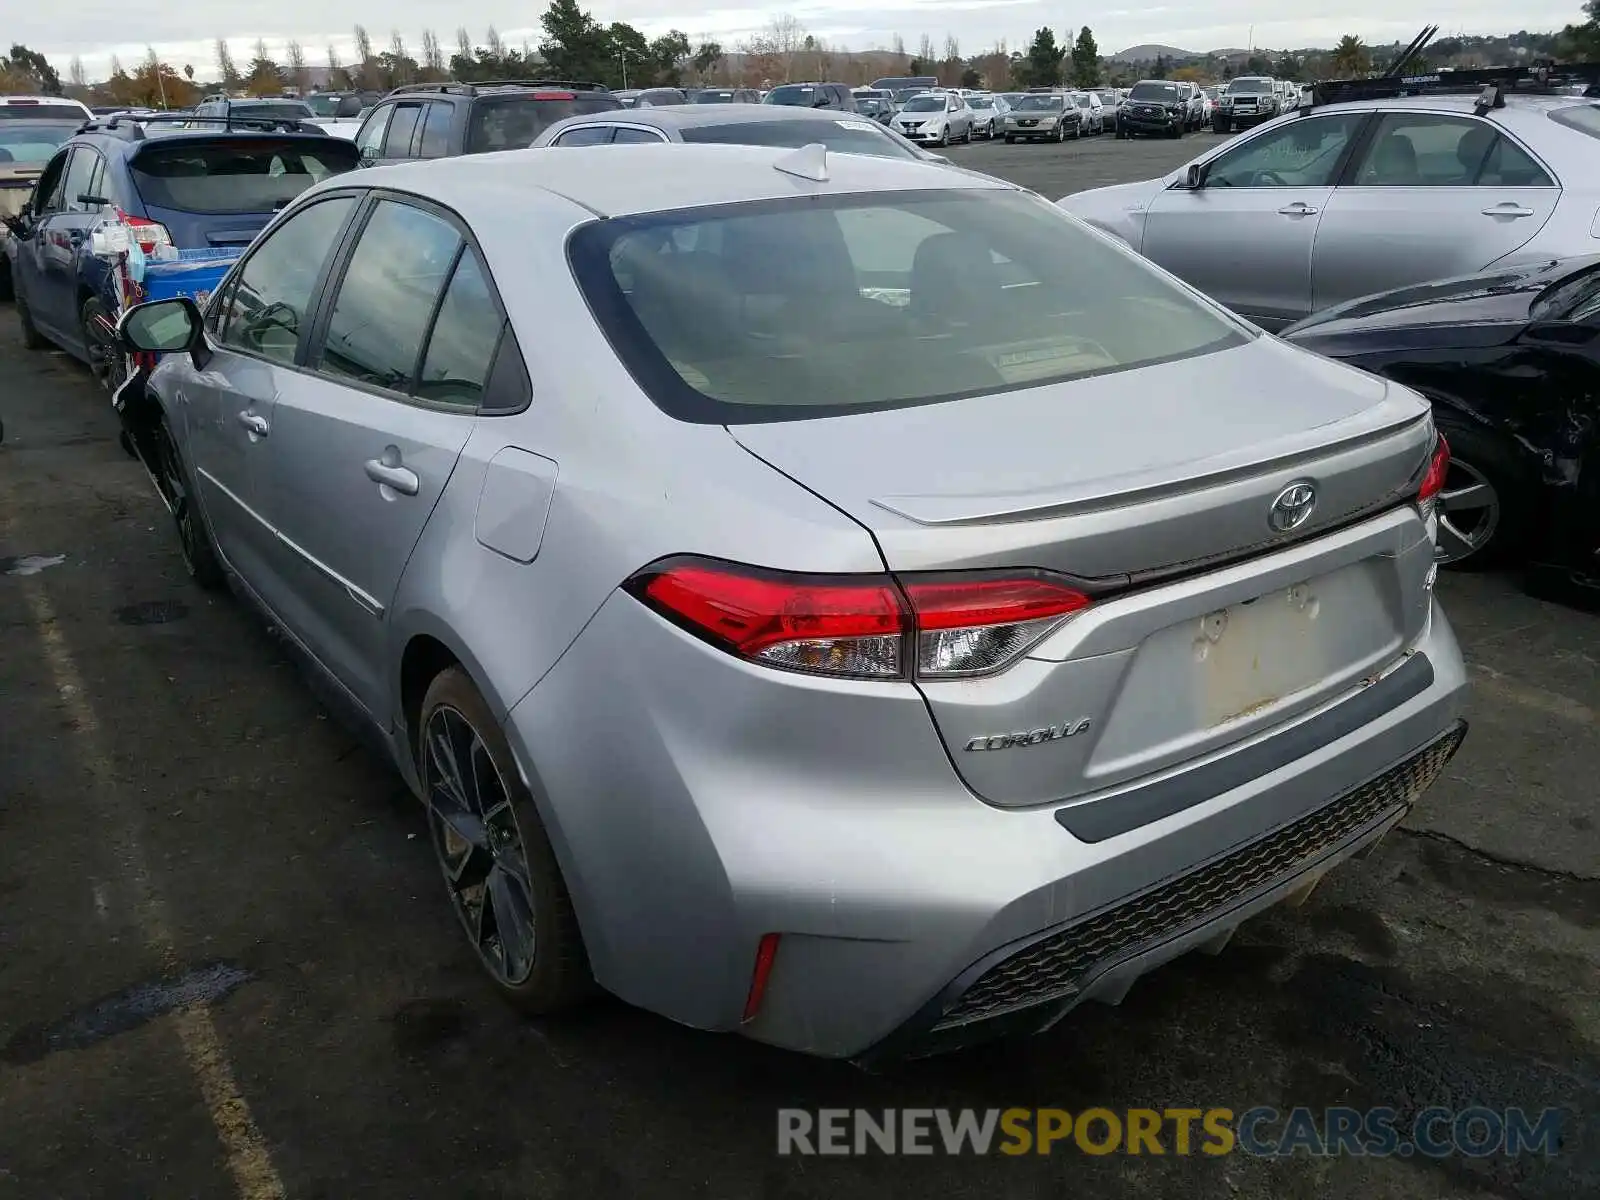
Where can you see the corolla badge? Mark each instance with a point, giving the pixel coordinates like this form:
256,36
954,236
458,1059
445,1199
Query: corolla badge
1291,508
1030,737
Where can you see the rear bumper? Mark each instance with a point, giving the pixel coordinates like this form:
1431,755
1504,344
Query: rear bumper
697,803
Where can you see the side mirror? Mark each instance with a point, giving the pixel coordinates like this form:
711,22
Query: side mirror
368,157
1195,178
941,159
165,327
18,224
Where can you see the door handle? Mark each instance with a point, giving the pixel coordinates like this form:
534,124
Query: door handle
1298,209
1507,209
393,475
255,424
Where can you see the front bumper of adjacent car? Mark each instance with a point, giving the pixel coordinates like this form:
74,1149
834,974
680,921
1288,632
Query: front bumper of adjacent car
1149,119
1032,127
927,131
698,803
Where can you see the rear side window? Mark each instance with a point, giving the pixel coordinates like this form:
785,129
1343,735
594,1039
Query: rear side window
1428,150
265,311
586,135
258,175
370,139
783,310
846,135
512,122
387,297
435,132
1585,118
402,131
465,335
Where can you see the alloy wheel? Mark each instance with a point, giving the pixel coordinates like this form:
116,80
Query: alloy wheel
106,360
479,845
1468,510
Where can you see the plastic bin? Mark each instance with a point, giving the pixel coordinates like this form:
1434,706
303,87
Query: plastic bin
194,273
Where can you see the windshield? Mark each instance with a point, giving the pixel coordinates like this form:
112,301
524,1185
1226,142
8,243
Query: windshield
1041,104
283,110
793,94
215,176
905,94
33,141
1085,102
1154,91
925,104
324,105
829,304
512,122
844,136
1249,87
980,101
713,96
1107,97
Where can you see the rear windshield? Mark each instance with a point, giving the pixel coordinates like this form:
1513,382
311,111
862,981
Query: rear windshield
32,141
795,94
258,176
1154,91
512,122
1585,118
41,112
845,136
283,110
822,305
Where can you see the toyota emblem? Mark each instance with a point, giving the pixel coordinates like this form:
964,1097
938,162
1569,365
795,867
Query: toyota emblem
1291,508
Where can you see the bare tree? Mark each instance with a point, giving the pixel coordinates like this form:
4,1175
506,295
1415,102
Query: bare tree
464,43
294,58
925,50
497,44
401,61
952,48
75,73
116,66
432,55
762,62
898,49
365,67
788,37
230,73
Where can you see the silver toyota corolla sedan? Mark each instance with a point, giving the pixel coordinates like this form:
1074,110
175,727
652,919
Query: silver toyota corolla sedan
1338,202
838,599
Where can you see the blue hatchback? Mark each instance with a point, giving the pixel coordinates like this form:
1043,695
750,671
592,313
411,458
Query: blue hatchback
186,184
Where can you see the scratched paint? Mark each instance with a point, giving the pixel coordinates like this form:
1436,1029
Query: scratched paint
124,1011
31,564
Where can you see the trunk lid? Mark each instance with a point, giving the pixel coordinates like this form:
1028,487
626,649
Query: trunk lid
1157,484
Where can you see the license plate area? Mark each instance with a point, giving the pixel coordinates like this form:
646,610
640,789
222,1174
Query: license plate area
1205,681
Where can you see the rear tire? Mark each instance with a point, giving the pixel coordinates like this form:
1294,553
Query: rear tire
1477,455
32,339
194,539
551,966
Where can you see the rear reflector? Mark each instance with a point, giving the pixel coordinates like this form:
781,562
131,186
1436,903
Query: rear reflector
861,626
766,954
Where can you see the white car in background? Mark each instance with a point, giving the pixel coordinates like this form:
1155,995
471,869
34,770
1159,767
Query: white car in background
935,119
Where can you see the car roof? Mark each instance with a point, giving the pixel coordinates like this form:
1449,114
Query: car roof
687,116
483,188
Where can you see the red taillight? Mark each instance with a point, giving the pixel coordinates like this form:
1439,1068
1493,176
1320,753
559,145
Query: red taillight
1438,468
149,234
861,626
556,95
766,953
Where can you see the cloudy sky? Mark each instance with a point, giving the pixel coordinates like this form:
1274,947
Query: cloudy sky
184,33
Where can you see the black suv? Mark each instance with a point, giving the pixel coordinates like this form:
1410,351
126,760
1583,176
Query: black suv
439,120
813,95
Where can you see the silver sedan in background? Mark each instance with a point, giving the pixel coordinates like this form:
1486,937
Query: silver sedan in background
935,119
989,111
1332,203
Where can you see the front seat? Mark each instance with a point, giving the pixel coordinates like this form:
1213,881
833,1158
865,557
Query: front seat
1394,163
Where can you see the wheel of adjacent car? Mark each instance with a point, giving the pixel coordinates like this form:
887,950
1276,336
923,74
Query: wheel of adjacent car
1121,134
106,361
499,869
32,339
194,539
1486,508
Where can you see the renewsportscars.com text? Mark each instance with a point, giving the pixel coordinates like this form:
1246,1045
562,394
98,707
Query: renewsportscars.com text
1262,1131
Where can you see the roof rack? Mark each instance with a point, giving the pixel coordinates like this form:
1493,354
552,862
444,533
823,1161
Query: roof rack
134,126
1491,84
472,89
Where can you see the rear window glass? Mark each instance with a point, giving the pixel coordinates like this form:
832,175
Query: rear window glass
805,97
33,142
789,309
257,176
1154,91
844,136
1585,118
512,122
41,112
280,110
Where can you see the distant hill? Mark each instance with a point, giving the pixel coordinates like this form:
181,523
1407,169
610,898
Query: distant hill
1151,52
